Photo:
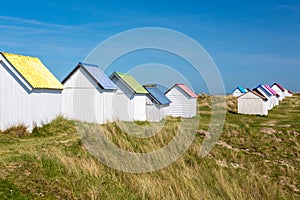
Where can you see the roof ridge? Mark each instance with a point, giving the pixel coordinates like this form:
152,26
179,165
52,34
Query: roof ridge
89,64
96,74
257,93
15,54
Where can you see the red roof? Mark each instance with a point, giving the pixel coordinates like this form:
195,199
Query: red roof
279,86
187,90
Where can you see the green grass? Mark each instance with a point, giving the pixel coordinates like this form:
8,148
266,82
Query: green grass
255,158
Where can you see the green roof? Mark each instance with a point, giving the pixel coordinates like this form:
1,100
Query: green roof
132,83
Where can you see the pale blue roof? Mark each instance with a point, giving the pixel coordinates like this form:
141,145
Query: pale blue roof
99,76
95,73
156,94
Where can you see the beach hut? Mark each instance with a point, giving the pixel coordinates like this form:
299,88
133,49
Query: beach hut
184,101
263,91
238,91
29,93
252,103
279,90
277,87
157,103
276,96
290,93
88,95
129,103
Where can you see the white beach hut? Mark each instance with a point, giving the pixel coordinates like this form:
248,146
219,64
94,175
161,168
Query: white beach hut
157,104
129,103
29,92
184,101
238,91
88,95
262,91
286,93
275,96
252,103
274,93
279,90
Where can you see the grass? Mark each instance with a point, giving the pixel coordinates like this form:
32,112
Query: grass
255,158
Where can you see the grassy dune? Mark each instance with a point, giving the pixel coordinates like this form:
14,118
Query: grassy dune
255,158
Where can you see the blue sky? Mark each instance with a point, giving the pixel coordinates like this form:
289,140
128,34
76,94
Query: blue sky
251,42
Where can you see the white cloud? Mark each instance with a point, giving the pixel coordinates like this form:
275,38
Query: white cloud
29,22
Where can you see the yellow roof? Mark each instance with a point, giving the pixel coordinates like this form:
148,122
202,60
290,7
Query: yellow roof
34,71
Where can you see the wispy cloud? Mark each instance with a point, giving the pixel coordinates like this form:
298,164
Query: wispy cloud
14,26
35,26
17,20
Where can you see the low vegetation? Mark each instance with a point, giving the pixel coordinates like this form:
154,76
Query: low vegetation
255,158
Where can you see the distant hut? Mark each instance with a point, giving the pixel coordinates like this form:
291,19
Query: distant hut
275,94
29,93
184,101
157,104
288,93
279,90
252,103
263,91
238,91
88,94
130,99
285,93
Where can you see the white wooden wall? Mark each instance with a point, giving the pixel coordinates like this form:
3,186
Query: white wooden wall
128,106
84,100
45,105
193,107
155,112
122,107
270,102
182,105
78,104
275,101
18,105
139,107
252,105
14,101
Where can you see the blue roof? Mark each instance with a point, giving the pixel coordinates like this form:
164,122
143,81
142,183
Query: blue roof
264,89
242,89
99,76
156,94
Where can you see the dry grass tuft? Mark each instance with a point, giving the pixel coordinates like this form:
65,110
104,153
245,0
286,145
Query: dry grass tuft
19,131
